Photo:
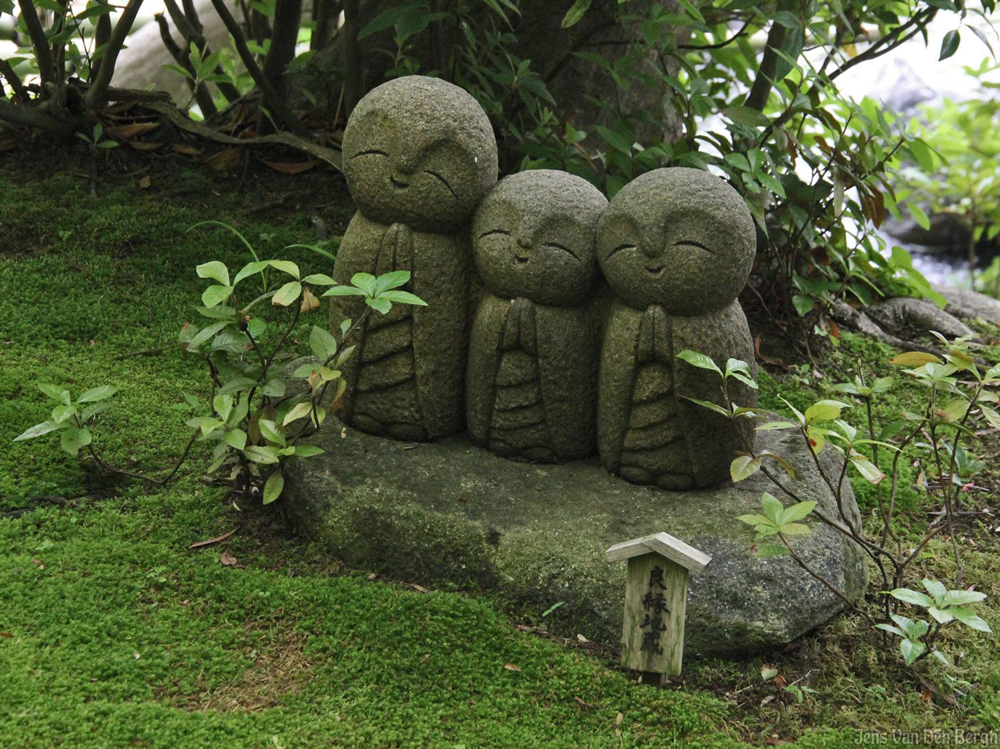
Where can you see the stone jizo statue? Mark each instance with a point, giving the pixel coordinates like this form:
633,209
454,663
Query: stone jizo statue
676,246
531,382
419,154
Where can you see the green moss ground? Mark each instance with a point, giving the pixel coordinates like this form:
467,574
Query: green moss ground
113,633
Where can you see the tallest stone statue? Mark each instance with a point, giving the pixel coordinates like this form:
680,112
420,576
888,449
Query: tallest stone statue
419,154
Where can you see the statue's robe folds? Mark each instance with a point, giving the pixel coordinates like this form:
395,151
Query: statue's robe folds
648,430
531,389
405,379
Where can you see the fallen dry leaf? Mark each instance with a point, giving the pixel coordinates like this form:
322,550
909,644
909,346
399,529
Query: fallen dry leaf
188,150
618,722
309,301
511,667
295,167
419,588
6,634
585,704
581,638
38,562
145,183
131,131
224,160
227,559
208,542
145,145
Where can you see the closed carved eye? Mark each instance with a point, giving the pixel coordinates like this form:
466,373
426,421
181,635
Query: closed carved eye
491,232
619,248
443,181
557,246
689,243
370,152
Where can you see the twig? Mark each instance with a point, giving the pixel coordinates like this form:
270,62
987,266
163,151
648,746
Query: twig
180,120
99,86
278,105
39,42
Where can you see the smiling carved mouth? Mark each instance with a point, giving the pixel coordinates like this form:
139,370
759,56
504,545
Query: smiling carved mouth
398,184
521,260
656,272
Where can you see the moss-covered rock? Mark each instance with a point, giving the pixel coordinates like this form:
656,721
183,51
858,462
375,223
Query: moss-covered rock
450,512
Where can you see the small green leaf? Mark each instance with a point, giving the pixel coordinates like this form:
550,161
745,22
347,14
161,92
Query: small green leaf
938,592
797,511
215,295
287,294
307,451
746,116
322,343
319,279
263,455
274,486
743,467
236,438
97,394
949,45
970,619
961,597
575,13
285,266
73,439
698,360
38,430
772,508
270,431
56,393
216,271
364,281
911,650
344,291
825,410
379,304
911,596
402,297
300,411
249,269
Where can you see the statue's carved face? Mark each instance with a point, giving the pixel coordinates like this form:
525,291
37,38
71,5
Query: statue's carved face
420,152
534,236
678,238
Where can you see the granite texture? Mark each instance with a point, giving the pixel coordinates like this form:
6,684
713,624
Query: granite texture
676,247
452,514
531,378
419,155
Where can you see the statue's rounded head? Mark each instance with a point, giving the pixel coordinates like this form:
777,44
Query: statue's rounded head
419,151
533,236
679,238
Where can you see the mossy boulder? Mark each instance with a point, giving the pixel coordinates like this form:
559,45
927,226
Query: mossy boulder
452,513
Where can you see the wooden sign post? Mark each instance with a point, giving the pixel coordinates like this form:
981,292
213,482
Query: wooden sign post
655,599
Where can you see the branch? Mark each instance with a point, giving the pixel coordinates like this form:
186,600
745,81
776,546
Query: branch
762,83
39,42
34,117
102,80
200,91
718,45
280,109
287,17
890,41
180,120
12,78
353,87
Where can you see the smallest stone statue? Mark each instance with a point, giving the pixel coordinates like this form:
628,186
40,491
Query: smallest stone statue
531,381
676,246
